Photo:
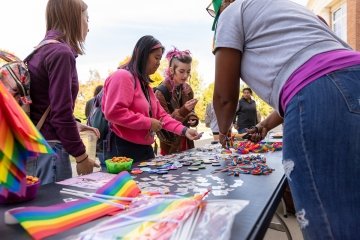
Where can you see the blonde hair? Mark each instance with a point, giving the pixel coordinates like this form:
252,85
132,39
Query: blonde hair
66,17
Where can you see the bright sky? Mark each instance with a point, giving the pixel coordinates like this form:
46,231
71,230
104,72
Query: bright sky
115,26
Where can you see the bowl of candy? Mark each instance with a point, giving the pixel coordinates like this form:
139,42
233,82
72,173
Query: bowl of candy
118,164
32,187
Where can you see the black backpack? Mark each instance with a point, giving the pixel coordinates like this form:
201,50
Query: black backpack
97,120
166,136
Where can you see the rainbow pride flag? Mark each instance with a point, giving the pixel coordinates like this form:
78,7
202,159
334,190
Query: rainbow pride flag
158,220
41,222
19,139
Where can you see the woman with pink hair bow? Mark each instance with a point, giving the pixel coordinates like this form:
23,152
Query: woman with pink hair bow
177,98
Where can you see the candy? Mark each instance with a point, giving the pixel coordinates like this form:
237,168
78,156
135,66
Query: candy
120,159
31,180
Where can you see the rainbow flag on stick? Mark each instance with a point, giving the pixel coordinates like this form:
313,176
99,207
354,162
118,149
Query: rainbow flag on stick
19,139
42,222
155,219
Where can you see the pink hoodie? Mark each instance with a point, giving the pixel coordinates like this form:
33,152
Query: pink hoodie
126,108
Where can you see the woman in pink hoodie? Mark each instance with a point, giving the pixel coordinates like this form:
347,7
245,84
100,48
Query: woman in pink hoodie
130,105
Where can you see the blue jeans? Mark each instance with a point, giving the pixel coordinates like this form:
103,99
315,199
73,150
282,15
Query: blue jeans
101,157
322,155
50,167
122,148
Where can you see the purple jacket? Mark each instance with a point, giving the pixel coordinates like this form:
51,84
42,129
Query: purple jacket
54,82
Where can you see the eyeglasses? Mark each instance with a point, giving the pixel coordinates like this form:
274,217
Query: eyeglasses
210,10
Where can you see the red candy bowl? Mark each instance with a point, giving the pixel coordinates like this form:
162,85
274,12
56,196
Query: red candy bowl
32,187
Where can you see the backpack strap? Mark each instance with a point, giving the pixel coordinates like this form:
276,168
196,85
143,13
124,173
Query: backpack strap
41,44
42,119
8,57
46,113
167,95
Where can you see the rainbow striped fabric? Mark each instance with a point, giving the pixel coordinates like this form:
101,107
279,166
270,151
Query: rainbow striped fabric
156,220
19,139
41,222
169,214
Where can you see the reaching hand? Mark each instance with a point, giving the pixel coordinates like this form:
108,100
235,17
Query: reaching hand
156,125
223,138
192,134
86,166
81,128
258,133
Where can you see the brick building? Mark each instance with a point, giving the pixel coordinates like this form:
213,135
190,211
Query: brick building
343,16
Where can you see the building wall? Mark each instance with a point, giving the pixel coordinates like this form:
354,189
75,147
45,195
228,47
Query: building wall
353,22
322,7
325,8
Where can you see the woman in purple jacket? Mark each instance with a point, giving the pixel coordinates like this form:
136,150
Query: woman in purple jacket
54,85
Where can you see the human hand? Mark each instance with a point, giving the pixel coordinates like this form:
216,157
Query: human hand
192,134
82,127
190,105
86,166
224,138
257,133
193,121
156,125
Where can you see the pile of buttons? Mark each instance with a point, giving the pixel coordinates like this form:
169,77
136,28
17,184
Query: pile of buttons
262,147
251,164
162,165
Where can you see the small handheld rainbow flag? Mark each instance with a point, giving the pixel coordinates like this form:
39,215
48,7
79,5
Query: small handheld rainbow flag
19,139
42,222
156,220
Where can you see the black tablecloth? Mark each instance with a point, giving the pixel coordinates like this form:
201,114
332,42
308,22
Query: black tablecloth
263,192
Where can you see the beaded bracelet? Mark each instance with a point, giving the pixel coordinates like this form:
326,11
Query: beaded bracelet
83,159
227,139
222,134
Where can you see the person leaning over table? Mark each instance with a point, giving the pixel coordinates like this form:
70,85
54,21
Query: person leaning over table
294,62
130,105
54,85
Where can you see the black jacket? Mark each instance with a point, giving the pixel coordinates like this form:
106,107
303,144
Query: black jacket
246,115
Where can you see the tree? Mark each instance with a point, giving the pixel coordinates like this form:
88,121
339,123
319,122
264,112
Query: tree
159,75
86,91
195,80
262,107
204,99
124,61
207,96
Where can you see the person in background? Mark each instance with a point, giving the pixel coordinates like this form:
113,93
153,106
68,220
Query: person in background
130,105
246,114
180,103
311,77
211,121
90,102
54,85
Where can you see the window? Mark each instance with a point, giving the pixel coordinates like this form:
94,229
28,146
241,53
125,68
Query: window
339,24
